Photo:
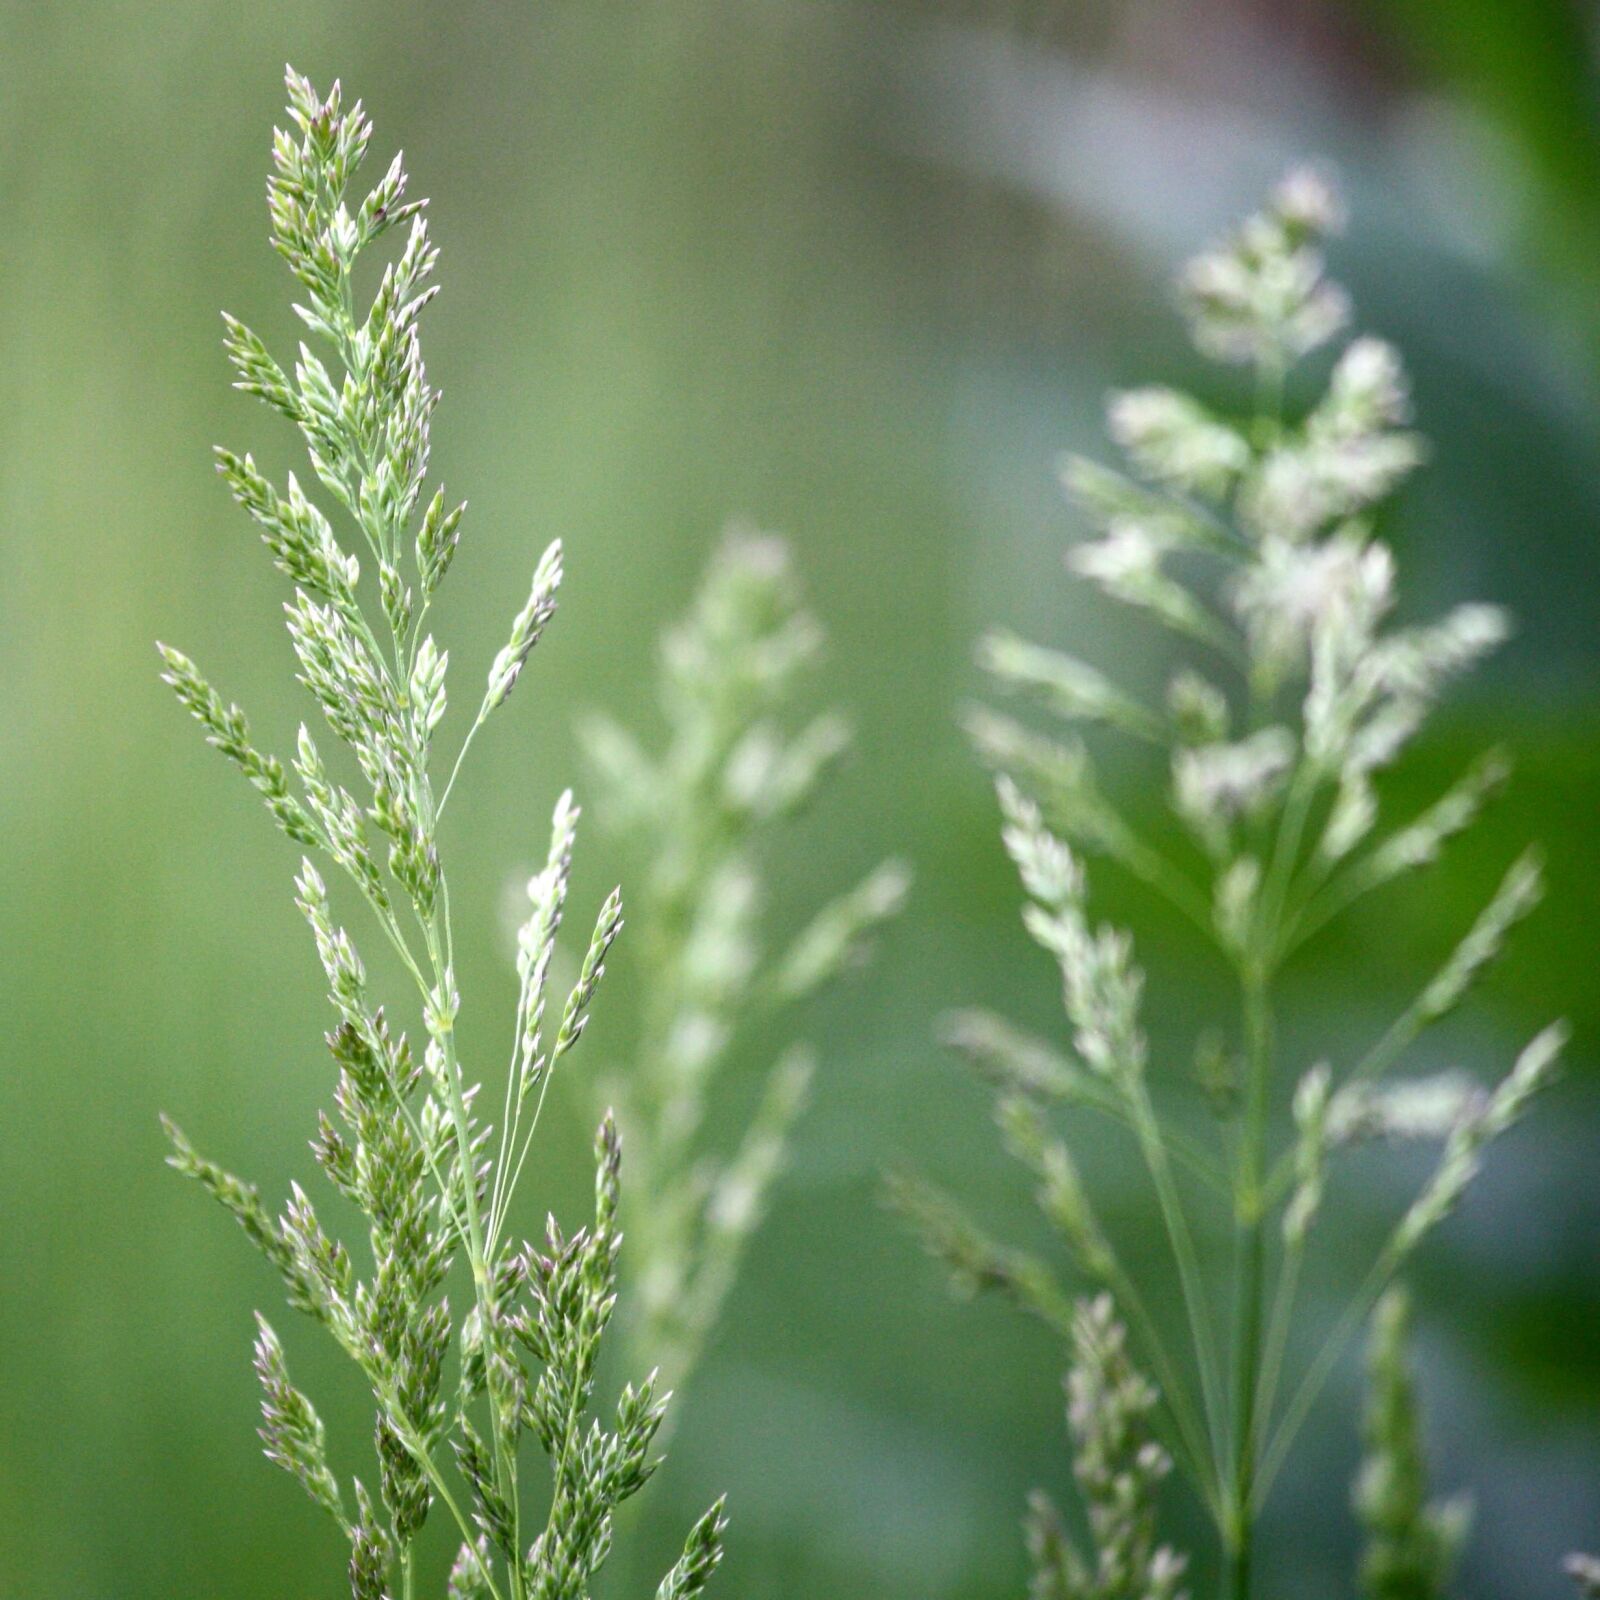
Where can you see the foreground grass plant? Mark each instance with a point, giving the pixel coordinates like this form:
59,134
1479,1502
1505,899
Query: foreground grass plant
1250,539
455,1391
701,814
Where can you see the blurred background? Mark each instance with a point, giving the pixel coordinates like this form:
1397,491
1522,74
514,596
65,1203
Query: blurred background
858,271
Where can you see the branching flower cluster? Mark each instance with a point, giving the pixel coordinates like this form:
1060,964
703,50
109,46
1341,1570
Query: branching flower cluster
1250,539
454,1391
701,812
1118,1465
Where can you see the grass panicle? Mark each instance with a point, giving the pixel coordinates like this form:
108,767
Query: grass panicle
703,812
1249,538
457,1388
1118,1465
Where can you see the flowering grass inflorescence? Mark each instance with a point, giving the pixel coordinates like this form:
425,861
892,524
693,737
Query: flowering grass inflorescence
1412,1542
1118,1465
405,1145
702,813
1251,541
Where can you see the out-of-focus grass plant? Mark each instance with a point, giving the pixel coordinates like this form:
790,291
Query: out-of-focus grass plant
700,815
436,1185
1412,1542
1249,538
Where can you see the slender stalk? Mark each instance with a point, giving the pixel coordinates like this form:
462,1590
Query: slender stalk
1277,1340
1190,1278
1397,1038
1250,1248
1179,1146
1286,849
1190,1435
1157,873
482,1286
461,755
500,1207
424,1459
1355,1313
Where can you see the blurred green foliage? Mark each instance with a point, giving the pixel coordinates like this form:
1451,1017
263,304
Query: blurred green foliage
700,258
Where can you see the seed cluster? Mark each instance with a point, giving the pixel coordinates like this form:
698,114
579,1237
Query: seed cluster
1251,539
405,1144
702,812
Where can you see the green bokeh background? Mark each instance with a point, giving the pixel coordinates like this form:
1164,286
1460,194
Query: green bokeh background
857,271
